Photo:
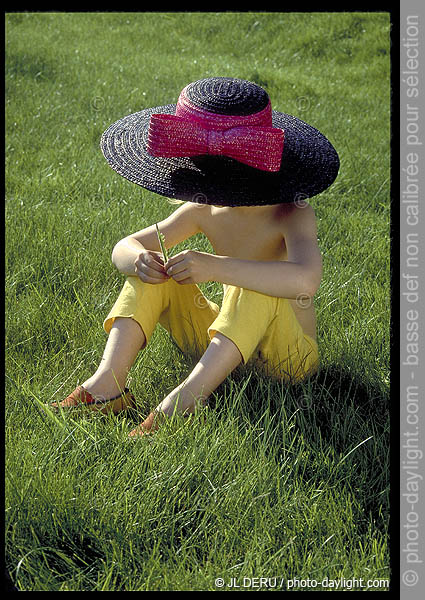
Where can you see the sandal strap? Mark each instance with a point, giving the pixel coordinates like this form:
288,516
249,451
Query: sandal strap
80,396
89,399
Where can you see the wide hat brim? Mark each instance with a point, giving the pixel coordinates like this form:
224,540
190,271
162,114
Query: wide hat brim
309,165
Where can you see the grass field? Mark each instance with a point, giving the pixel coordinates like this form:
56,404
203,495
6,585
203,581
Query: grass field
285,482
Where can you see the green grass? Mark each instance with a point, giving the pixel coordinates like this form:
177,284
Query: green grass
280,481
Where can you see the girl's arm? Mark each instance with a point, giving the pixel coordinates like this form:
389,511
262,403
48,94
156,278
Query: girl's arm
140,253
298,276
282,279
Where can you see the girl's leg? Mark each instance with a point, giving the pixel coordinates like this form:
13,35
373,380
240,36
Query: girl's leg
182,310
219,360
125,340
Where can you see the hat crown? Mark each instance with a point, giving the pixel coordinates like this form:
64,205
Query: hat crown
227,96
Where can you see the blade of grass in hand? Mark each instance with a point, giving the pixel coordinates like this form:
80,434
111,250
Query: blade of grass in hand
161,240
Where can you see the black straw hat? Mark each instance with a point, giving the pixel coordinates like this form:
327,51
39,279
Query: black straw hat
221,144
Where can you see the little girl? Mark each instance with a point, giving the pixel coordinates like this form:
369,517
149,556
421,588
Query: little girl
244,172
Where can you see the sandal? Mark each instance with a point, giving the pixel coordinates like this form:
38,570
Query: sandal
80,397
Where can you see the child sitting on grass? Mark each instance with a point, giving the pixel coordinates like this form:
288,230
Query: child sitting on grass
244,172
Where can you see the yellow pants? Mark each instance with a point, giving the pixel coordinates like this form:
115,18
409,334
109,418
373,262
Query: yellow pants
264,328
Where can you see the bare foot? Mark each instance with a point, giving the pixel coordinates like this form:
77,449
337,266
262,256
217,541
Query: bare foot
149,425
154,421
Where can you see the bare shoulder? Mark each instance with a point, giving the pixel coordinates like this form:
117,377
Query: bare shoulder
299,219
183,208
181,224
198,213
299,229
186,212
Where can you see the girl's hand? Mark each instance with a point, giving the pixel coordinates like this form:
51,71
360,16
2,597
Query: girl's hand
149,267
190,266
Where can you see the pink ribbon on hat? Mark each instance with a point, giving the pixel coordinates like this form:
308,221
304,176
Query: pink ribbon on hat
193,131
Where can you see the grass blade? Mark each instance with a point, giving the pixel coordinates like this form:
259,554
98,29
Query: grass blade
161,240
355,448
